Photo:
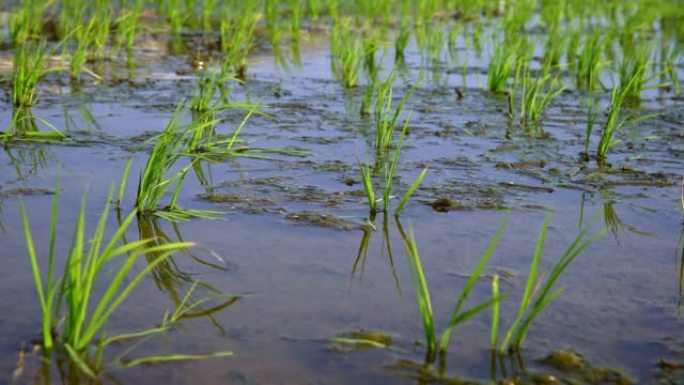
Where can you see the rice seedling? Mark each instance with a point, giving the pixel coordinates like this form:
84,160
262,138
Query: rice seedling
27,70
633,69
391,168
159,174
347,53
236,39
588,63
499,69
400,43
207,86
21,24
409,192
128,25
386,118
84,41
494,337
670,61
612,125
539,293
370,44
459,315
208,9
74,318
536,94
366,171
592,116
614,122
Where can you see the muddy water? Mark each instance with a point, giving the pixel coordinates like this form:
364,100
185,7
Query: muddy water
293,225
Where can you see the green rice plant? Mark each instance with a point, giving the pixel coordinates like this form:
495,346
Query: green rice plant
295,7
499,69
537,93
400,43
203,100
367,100
553,47
592,116
27,70
208,9
494,337
391,168
459,315
159,172
409,192
633,69
71,15
588,63
347,53
614,122
539,293
22,23
102,33
385,117
670,60
370,44
236,40
74,318
84,36
431,40
128,25
366,171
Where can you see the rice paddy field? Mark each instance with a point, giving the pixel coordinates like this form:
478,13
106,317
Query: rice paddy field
342,192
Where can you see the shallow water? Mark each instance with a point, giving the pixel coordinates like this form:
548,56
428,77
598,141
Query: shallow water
302,283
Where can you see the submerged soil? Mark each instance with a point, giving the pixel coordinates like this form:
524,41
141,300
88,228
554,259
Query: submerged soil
292,240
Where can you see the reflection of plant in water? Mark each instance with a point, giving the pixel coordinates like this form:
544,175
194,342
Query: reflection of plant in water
85,116
610,217
34,159
24,127
362,253
168,275
508,366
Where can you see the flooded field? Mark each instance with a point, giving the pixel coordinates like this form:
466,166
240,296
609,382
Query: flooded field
302,192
